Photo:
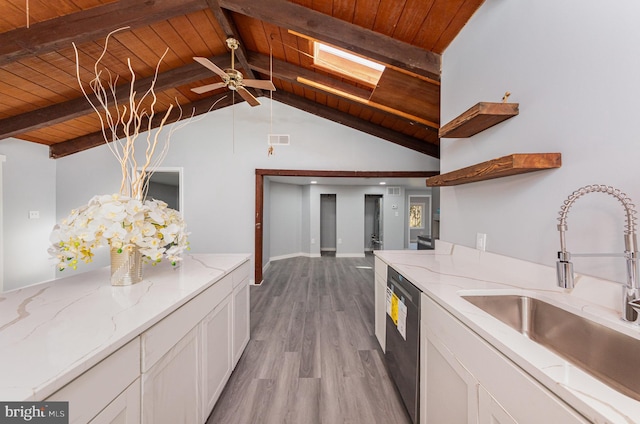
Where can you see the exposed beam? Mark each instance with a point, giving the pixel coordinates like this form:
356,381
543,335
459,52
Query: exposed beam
89,25
340,33
88,141
71,109
357,123
291,73
345,174
229,27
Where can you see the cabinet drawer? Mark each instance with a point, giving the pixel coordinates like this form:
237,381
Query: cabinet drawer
99,386
241,274
165,334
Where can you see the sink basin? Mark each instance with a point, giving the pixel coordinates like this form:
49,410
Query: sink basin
610,356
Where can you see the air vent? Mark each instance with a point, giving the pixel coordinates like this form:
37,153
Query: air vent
278,139
393,191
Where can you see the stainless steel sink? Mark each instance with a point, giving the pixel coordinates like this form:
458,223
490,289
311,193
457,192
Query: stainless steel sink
610,356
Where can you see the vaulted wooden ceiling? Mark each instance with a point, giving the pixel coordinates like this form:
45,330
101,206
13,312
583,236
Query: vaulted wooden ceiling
41,100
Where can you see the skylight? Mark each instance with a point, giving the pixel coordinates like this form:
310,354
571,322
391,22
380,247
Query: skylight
347,64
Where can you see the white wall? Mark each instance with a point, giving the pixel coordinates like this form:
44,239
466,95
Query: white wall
573,67
285,221
28,185
219,174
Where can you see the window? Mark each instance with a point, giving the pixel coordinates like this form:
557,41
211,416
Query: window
416,215
347,64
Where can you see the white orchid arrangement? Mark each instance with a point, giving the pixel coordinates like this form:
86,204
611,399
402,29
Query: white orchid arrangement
123,223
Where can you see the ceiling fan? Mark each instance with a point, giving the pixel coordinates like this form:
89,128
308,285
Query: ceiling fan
232,78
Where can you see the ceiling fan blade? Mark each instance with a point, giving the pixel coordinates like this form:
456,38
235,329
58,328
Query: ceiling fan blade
209,87
260,84
248,97
211,66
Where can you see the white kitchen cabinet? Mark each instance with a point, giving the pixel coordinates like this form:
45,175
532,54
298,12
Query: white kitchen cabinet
125,409
490,411
217,322
240,311
171,388
454,399
460,370
216,353
380,301
102,385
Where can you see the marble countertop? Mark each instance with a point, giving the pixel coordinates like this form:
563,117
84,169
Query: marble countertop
52,332
451,271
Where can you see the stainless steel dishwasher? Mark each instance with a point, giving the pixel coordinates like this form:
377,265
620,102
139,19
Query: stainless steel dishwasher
402,347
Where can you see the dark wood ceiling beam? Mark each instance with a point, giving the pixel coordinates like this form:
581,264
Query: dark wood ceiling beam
96,139
340,33
71,109
290,73
89,25
357,123
229,27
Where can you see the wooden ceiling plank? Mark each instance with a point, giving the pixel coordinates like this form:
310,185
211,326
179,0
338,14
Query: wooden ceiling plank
357,123
387,16
11,14
462,17
96,139
91,24
364,15
28,79
58,113
411,20
344,10
438,19
191,36
207,32
341,34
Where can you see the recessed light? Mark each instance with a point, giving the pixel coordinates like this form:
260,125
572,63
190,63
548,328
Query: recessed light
382,183
314,182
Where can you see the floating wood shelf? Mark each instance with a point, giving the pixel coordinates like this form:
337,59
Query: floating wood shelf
517,163
478,118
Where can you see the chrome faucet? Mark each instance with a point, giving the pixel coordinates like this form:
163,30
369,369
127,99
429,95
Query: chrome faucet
631,290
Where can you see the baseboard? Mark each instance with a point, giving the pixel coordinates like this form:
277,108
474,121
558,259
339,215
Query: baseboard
350,255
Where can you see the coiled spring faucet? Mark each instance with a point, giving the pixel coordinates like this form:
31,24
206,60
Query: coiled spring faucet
631,290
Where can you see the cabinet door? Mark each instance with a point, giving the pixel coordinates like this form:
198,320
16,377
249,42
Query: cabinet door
380,301
240,333
216,353
450,394
171,388
490,411
125,409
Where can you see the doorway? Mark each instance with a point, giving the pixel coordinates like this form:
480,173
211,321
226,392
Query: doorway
419,220
372,222
328,225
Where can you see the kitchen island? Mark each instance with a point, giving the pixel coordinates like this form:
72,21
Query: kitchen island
113,351
474,368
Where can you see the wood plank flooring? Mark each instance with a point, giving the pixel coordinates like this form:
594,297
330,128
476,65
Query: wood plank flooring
313,357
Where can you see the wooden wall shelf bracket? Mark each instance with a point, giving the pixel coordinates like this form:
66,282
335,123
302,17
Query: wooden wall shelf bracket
478,118
514,164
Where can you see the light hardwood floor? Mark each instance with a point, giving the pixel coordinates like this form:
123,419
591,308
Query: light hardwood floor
313,357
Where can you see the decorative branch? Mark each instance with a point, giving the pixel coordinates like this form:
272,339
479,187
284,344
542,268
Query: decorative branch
128,120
